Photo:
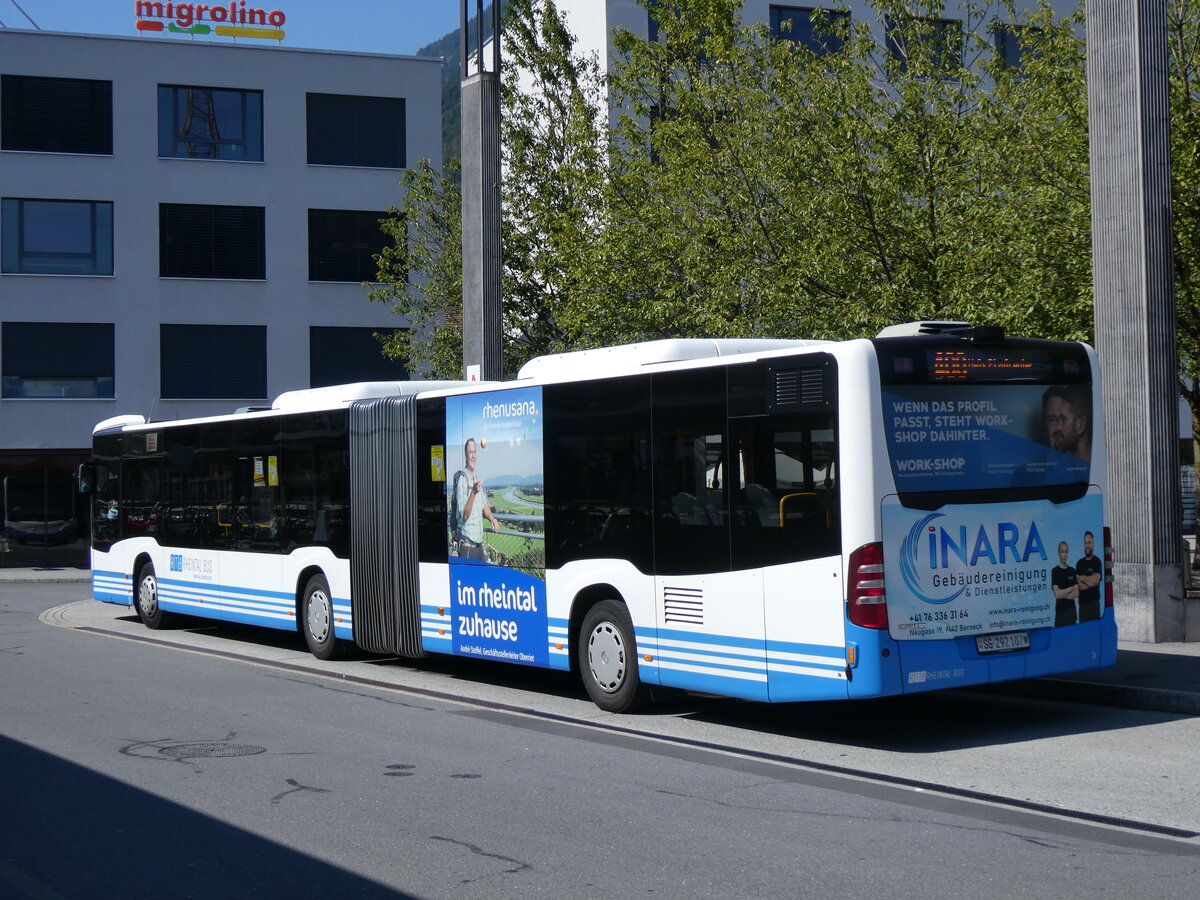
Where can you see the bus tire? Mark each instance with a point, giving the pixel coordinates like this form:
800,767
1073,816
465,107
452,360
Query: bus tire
145,599
316,618
608,661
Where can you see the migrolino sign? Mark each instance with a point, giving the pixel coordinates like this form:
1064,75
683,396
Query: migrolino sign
233,19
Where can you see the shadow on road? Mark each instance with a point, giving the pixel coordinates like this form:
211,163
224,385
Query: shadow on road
70,832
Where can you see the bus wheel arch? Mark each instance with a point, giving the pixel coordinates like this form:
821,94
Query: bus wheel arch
606,651
145,594
314,613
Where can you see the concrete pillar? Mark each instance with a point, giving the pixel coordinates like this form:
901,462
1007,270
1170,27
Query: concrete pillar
481,196
1135,310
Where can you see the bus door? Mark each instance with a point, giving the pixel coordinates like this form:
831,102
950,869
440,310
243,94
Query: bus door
786,525
710,614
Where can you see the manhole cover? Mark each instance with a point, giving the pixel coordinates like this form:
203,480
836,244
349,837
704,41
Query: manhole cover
210,750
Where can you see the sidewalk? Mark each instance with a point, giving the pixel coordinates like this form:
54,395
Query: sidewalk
46,575
1159,677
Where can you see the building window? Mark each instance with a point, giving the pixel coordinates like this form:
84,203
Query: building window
796,24
356,131
347,355
342,244
213,362
1012,43
209,123
56,237
55,115
940,41
210,241
56,359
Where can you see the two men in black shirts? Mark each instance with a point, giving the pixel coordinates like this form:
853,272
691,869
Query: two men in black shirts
1080,583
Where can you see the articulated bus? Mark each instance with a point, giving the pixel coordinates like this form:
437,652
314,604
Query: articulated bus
768,520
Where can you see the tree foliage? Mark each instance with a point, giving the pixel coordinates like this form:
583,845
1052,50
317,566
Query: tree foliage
723,181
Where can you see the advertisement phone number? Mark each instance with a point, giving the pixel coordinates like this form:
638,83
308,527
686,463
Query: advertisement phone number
940,615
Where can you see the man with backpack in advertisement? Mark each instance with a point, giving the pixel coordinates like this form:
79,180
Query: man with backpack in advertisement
469,506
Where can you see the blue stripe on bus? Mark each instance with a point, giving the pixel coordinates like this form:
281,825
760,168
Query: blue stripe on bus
287,595
98,573
123,599
836,654
706,661
253,606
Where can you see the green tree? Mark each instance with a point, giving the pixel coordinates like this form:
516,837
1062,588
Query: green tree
753,186
1183,48
553,139
426,239
762,187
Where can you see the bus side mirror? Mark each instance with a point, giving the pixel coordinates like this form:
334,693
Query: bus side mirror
87,477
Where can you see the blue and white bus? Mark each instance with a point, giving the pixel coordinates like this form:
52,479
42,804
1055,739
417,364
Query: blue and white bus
769,520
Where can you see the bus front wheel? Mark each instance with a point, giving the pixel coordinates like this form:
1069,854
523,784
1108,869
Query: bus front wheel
146,599
316,618
608,659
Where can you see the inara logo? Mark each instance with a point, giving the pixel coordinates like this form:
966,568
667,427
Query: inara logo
176,562
233,19
929,548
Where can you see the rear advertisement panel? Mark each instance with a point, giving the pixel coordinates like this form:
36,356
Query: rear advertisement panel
976,569
495,525
984,437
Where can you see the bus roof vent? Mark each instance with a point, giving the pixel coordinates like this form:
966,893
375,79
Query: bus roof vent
602,360
915,329
118,422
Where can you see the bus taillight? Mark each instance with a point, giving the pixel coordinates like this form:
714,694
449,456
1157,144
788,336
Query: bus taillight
866,600
1108,568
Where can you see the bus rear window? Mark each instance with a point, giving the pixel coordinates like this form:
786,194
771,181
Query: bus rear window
966,418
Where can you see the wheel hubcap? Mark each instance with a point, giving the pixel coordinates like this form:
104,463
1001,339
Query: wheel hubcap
148,596
318,616
606,657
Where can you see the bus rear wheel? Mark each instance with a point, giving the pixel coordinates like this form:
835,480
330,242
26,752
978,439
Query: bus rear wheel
316,618
146,599
608,659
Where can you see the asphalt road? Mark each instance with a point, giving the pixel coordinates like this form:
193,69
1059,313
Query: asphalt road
220,762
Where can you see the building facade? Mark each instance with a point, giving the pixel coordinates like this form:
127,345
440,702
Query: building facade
185,227
594,21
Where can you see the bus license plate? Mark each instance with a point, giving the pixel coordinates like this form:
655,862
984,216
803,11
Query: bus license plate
1001,643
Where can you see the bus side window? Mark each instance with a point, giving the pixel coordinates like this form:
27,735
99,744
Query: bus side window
785,502
691,474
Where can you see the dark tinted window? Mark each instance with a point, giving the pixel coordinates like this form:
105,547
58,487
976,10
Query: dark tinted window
346,355
55,115
784,489
257,515
597,457
209,123
213,362
57,237
345,130
315,476
431,480
211,241
797,24
935,45
691,473
1012,43
343,243
57,359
